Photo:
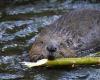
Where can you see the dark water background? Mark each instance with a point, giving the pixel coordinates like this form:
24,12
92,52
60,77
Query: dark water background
20,22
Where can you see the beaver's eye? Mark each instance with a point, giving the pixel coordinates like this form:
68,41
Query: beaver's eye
41,42
62,44
69,42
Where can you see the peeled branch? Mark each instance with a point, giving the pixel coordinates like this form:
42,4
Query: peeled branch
33,64
64,62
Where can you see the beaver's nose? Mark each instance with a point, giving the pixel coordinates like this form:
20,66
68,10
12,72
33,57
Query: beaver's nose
51,48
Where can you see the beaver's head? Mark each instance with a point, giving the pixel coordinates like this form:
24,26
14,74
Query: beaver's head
50,44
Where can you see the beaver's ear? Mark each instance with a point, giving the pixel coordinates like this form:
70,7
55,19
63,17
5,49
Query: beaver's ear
41,29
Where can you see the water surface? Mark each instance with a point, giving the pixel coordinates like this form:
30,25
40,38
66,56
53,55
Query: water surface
19,25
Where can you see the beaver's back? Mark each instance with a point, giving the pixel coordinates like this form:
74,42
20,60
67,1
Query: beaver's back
82,24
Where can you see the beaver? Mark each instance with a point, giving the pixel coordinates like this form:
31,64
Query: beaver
77,30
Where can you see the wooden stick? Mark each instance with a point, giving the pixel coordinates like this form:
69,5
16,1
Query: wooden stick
64,61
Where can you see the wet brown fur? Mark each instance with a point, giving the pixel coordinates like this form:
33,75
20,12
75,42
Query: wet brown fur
76,30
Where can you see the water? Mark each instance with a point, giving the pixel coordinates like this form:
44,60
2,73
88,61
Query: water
19,25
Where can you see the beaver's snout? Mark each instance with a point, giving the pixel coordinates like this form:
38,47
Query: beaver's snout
51,50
